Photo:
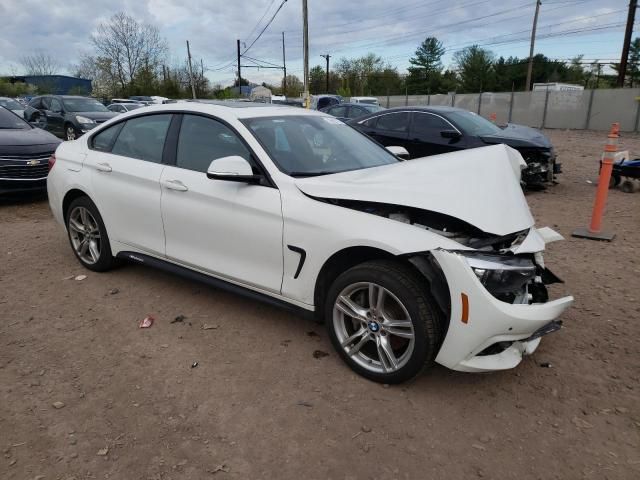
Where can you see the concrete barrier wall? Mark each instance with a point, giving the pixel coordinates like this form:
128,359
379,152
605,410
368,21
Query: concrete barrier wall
586,109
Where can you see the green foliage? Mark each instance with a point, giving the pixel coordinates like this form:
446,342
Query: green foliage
475,68
425,72
294,86
18,89
317,80
344,92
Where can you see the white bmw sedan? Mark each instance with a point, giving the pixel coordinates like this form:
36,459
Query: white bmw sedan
407,263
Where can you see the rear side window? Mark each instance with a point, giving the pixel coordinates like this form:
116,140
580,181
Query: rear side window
103,141
202,140
355,112
143,138
338,111
396,122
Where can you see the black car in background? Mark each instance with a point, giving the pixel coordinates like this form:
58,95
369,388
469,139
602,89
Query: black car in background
425,131
24,154
68,116
348,111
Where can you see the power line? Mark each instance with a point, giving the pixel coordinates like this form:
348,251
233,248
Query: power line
261,18
265,27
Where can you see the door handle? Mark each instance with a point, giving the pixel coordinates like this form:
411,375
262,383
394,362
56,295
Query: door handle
103,167
175,185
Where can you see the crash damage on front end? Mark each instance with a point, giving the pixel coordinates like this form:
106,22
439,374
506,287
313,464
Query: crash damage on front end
492,289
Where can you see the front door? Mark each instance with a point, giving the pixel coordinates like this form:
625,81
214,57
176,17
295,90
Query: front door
125,168
229,229
425,136
55,117
392,129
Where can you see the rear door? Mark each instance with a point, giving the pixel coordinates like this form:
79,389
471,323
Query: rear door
425,136
126,163
230,229
392,129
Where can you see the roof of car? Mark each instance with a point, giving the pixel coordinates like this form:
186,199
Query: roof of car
427,108
230,108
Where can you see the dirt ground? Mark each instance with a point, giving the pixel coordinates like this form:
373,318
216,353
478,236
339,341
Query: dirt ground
259,405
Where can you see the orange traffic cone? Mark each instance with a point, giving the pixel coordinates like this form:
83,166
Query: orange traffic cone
594,231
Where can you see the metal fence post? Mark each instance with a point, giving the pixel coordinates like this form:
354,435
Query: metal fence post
637,113
511,105
453,99
479,102
428,99
544,112
406,96
588,119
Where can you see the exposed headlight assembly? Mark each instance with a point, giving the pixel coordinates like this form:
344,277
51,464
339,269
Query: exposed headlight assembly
501,274
82,119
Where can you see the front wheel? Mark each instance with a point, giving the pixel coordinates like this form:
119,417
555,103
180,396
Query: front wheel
382,321
88,235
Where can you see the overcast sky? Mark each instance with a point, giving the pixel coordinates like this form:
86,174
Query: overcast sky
390,29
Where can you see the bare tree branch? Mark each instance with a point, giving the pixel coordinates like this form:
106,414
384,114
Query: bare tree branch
39,63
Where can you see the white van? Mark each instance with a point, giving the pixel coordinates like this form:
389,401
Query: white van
369,100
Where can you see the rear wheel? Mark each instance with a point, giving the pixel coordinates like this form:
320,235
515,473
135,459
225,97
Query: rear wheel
382,321
88,235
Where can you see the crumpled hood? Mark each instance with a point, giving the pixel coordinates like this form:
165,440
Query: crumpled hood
479,186
519,136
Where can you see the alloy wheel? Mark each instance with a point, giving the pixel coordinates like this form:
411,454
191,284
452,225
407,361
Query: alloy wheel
373,327
85,235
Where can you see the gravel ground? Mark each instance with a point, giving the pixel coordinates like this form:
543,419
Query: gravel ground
86,394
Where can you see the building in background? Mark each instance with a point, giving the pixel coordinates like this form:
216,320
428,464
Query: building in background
55,84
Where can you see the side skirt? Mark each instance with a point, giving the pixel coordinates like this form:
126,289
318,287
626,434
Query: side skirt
142,259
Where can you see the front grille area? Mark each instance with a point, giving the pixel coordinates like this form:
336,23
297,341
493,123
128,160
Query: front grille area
16,166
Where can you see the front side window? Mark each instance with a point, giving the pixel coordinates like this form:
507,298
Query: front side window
338,111
395,122
203,140
427,124
56,106
143,138
355,112
473,124
308,145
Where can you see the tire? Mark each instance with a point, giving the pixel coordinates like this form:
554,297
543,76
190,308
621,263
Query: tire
91,249
70,132
367,333
614,181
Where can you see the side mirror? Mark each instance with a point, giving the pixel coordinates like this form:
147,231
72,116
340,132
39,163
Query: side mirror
233,168
399,152
454,134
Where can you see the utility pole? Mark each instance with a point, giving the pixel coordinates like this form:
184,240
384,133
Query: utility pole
239,71
305,40
327,57
193,88
633,4
533,41
284,67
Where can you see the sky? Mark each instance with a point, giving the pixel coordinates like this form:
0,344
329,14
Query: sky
392,30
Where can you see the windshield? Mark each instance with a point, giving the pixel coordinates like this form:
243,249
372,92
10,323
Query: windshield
11,121
473,124
83,105
10,104
369,101
372,108
308,145
133,106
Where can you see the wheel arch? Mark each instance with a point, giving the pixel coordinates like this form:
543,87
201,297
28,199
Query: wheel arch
69,197
424,264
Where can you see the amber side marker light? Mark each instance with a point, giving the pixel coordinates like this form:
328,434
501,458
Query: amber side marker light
465,308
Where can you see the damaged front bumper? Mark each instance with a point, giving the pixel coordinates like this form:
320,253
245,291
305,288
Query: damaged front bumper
485,333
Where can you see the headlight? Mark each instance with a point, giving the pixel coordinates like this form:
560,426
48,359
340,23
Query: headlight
82,119
501,273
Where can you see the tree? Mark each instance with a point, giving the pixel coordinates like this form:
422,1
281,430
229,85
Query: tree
39,63
357,73
317,80
632,75
294,86
130,46
475,69
425,72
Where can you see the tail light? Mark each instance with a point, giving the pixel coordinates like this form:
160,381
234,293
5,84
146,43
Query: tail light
52,161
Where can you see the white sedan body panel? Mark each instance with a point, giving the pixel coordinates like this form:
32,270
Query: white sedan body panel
242,233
